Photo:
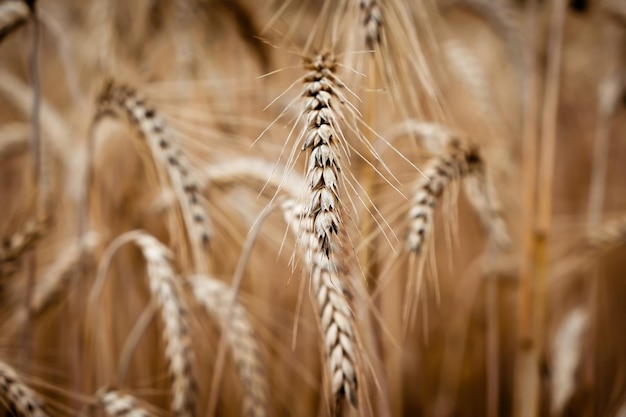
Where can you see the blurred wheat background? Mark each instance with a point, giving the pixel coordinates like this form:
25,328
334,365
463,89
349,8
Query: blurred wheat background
313,208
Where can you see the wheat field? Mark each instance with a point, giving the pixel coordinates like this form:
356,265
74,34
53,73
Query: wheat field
313,208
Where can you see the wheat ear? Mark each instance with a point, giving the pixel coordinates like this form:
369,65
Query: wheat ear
13,14
176,333
566,353
457,161
18,395
218,300
322,224
330,296
165,150
18,244
372,22
168,297
116,404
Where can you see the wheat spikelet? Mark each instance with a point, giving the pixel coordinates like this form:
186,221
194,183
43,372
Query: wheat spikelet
566,353
13,14
20,242
116,404
217,298
176,333
336,318
372,22
16,394
456,162
167,152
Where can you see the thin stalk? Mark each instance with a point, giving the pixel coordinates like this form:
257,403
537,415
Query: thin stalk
36,158
526,373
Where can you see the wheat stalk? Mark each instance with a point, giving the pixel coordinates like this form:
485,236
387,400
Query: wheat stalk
116,404
13,14
218,300
165,150
18,395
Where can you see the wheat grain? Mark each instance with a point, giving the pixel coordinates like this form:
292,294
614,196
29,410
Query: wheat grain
116,404
18,395
217,298
165,150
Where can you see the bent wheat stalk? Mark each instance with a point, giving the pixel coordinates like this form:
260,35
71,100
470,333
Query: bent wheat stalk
18,395
174,313
216,297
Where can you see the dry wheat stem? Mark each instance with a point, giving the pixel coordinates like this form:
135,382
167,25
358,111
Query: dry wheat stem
13,14
259,173
165,150
116,404
330,296
18,395
216,297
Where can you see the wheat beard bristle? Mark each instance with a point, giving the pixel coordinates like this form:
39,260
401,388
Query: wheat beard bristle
176,333
372,22
336,319
456,163
116,404
216,297
13,14
153,129
15,393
